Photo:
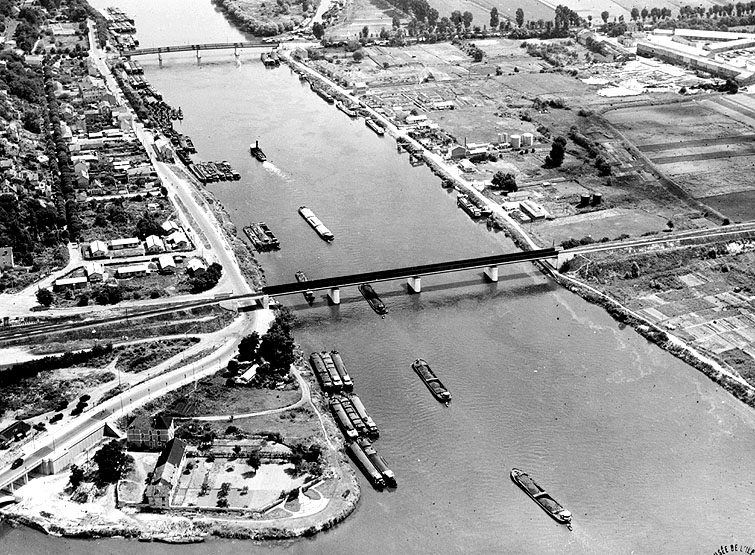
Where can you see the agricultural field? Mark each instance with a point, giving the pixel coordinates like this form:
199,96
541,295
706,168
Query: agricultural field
705,146
374,14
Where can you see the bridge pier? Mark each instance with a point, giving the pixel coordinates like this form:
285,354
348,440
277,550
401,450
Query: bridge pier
491,272
335,295
160,58
265,301
415,284
199,56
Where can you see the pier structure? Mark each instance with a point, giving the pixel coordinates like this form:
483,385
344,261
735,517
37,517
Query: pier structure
198,48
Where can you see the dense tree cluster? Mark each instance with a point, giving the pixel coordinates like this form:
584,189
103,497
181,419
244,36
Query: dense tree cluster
504,181
275,351
113,463
556,156
207,279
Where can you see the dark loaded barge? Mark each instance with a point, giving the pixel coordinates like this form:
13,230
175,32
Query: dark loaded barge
316,224
432,381
541,497
332,377
371,297
262,237
372,124
309,295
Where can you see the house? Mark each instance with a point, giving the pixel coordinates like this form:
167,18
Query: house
177,240
15,431
135,270
166,264
150,432
159,490
154,245
95,272
457,152
70,283
126,243
169,226
247,376
98,249
533,210
467,166
6,257
196,266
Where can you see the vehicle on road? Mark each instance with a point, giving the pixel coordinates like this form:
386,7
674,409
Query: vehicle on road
18,462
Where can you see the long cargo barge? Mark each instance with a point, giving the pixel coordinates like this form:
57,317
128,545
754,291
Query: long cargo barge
372,429
432,381
371,297
343,420
367,466
330,368
318,367
541,497
262,237
341,369
372,124
316,224
346,109
377,460
465,204
309,295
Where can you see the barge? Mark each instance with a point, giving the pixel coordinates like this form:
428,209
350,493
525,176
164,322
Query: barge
371,297
318,367
465,204
341,369
541,497
432,381
364,462
355,419
372,429
372,124
316,224
330,368
378,462
348,110
262,237
343,420
257,151
309,295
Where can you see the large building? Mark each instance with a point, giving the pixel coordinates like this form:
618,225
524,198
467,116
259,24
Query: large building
149,432
164,479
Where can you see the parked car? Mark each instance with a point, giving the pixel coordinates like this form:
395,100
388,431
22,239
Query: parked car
17,463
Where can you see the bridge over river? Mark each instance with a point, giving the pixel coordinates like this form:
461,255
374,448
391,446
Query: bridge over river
160,50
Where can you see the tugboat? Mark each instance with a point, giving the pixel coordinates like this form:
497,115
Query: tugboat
257,151
432,381
309,295
541,497
371,297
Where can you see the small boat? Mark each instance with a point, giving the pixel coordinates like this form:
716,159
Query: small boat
371,297
432,381
372,124
309,295
257,151
541,497
316,224
378,462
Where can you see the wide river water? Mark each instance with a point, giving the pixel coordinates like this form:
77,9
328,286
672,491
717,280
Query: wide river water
649,455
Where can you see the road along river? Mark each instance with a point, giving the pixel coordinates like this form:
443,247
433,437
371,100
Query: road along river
648,454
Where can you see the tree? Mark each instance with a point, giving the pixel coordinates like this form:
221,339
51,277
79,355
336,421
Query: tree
45,296
113,463
604,16
519,17
254,459
248,346
208,279
505,181
318,30
456,19
635,14
396,22
358,56
602,165
556,156
644,14
278,347
494,19
365,31
467,18
77,476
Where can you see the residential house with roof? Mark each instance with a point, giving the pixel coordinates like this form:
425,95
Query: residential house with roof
159,490
177,240
70,283
95,271
154,245
150,432
166,264
98,249
169,226
134,270
125,243
196,267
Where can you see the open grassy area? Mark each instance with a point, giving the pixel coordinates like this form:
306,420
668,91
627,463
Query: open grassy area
116,219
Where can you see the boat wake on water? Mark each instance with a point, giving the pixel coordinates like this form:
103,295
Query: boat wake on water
272,168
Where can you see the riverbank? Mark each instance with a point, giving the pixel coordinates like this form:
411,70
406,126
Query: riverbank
261,19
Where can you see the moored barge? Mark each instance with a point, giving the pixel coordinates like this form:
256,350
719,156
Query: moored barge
341,369
372,429
331,369
466,205
262,237
364,462
432,381
309,295
348,110
318,367
371,297
378,462
541,497
343,420
316,224
372,124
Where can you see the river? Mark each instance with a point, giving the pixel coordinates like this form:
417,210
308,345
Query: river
648,454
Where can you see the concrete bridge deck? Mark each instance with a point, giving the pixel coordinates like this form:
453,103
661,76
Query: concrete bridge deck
197,48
